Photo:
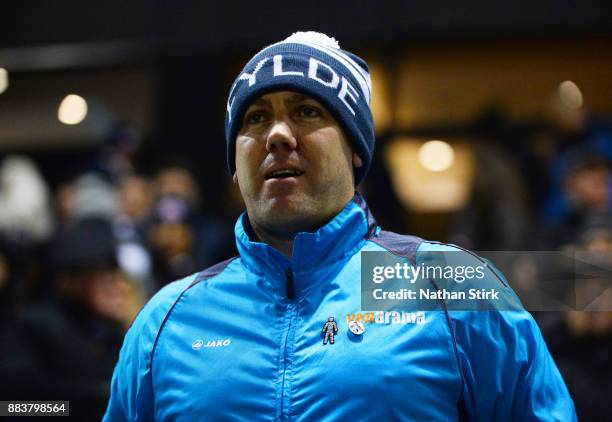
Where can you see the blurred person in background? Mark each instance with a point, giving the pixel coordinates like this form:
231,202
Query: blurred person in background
118,154
178,180
65,347
476,226
63,201
136,198
181,237
172,238
26,223
126,207
581,341
95,195
574,135
130,226
24,200
586,177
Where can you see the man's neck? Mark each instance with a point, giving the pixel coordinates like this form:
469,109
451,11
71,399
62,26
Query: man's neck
282,243
282,239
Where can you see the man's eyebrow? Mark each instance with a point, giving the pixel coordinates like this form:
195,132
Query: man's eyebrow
260,102
297,97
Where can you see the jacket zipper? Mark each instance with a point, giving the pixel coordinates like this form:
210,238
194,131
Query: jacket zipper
287,348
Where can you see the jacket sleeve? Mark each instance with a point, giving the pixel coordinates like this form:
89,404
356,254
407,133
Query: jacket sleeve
507,369
508,372
132,395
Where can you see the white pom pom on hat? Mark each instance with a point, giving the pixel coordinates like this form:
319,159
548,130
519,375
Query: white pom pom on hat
314,38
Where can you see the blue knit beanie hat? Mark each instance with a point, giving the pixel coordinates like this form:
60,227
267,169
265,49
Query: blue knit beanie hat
313,64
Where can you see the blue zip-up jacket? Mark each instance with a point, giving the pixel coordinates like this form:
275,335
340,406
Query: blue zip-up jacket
242,340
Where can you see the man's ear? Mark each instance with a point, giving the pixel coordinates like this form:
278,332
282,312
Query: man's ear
235,179
357,160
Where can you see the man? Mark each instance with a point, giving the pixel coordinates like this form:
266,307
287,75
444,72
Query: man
243,339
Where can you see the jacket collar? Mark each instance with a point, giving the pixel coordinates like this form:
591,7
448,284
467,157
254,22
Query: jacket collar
339,239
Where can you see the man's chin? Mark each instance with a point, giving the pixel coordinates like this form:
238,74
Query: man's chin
284,195
290,214
285,204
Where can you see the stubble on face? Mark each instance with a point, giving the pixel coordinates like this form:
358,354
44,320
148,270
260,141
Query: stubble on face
309,201
306,208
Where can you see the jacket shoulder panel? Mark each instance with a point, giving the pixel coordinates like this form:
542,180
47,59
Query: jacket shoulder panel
212,271
206,274
398,244
440,247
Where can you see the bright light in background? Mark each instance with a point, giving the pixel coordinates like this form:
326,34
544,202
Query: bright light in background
423,190
570,95
72,110
436,155
4,81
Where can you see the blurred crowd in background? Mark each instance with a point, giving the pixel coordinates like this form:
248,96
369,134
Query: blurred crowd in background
79,260
89,233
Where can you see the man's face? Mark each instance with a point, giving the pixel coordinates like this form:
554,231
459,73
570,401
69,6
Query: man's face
294,166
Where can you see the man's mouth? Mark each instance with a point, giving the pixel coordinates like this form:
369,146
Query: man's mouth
283,174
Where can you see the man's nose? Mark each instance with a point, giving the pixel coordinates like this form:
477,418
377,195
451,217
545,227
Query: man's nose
281,137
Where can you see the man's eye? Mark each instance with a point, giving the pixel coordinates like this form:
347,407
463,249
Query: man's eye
309,112
255,117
